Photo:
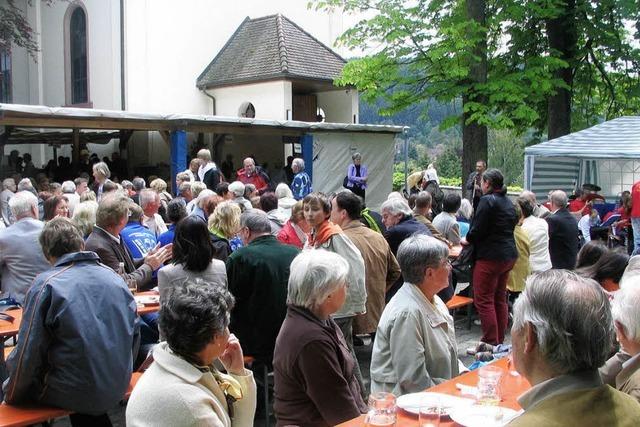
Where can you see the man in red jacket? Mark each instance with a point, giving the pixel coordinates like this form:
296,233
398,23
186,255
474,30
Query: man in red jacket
252,174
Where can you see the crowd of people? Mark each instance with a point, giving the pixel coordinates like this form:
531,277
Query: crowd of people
262,276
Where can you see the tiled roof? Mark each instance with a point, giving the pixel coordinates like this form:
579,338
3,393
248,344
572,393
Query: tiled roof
268,48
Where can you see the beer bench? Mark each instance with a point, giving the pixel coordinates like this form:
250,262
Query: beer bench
458,301
17,416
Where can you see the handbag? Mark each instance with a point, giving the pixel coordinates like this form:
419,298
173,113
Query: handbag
462,266
345,181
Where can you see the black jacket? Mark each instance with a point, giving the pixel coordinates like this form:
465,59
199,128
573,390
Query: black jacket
212,178
395,235
405,228
491,230
563,239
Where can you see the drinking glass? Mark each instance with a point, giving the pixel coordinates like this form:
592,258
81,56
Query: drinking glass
429,413
488,385
132,284
382,410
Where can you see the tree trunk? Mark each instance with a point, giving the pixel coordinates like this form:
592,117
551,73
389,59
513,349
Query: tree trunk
474,136
563,39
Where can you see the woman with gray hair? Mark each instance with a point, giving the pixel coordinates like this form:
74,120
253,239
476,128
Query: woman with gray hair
183,386
415,345
285,199
357,176
314,371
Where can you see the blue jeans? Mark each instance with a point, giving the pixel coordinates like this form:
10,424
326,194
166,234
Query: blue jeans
635,224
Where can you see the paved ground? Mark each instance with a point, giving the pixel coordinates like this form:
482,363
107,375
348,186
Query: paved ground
465,338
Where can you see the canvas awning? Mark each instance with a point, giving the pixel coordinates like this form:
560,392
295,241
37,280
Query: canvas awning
603,154
615,139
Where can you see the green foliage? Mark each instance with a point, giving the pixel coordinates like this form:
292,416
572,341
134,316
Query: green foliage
398,181
15,28
449,163
506,152
425,50
451,182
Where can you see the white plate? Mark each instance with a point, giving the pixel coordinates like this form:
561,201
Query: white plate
148,299
482,416
412,402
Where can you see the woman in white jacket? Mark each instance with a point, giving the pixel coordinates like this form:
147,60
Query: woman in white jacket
538,231
183,387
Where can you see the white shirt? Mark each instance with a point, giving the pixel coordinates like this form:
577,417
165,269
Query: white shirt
155,224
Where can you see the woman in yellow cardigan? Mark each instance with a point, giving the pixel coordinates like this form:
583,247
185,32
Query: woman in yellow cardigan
521,269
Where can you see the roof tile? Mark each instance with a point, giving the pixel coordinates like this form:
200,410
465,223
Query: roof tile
270,47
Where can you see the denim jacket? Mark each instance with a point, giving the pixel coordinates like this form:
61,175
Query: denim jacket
76,338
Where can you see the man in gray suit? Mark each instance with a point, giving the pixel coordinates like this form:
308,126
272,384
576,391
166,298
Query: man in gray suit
21,258
8,188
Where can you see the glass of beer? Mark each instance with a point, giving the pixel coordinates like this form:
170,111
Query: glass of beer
429,413
382,410
489,384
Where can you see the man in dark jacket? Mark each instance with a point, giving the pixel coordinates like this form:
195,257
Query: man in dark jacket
257,275
76,340
398,218
563,233
474,192
105,240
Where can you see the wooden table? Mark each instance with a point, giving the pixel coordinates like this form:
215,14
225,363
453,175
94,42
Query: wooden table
146,309
10,329
510,388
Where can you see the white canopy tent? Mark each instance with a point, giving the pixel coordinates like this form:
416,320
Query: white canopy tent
607,155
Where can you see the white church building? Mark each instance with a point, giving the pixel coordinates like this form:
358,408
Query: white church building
197,57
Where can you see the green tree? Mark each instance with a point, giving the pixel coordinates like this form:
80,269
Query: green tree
448,163
445,50
600,58
506,152
548,62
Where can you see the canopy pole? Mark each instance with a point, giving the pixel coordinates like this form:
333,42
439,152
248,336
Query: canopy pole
307,154
178,154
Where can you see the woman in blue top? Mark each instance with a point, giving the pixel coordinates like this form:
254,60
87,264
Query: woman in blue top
357,176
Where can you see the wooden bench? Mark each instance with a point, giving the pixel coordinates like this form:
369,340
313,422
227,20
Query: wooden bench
16,416
459,301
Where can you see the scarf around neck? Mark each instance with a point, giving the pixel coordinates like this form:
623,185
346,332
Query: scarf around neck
323,233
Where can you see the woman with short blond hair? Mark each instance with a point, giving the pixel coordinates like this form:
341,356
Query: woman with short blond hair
224,224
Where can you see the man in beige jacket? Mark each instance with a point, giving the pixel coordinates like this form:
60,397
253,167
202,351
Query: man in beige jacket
562,327
380,263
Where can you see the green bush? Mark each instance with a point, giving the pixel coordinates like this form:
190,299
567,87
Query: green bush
453,182
398,182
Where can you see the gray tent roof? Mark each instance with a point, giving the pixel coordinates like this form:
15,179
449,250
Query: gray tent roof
267,48
615,139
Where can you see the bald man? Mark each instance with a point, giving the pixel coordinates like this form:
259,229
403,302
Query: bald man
252,174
